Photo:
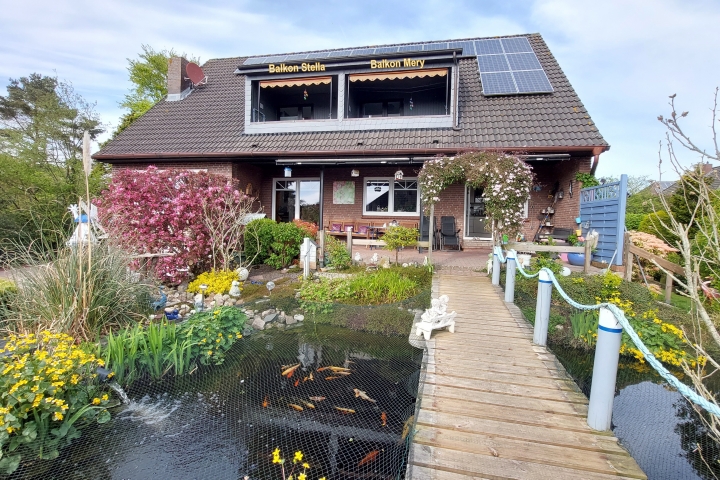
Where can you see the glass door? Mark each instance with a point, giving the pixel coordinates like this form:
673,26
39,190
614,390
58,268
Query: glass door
477,224
297,199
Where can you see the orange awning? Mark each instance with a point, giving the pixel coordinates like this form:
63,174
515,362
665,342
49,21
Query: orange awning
430,72
295,82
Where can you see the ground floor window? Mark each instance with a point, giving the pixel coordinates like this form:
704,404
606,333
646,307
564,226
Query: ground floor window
385,196
298,198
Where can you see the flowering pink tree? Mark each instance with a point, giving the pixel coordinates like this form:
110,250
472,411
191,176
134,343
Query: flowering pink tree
506,182
165,211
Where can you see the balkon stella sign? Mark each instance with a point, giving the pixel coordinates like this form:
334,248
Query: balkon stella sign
320,67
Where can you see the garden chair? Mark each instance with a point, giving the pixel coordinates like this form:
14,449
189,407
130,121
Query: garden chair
425,232
449,233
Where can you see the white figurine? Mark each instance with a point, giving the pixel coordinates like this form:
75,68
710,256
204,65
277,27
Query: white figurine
235,289
358,257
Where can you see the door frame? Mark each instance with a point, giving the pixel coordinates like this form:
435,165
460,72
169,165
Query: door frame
466,218
297,180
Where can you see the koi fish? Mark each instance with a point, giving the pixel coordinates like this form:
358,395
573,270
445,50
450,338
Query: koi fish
333,377
297,382
368,458
288,372
322,369
363,395
311,378
339,369
317,399
265,402
345,410
296,407
383,419
406,428
342,373
308,404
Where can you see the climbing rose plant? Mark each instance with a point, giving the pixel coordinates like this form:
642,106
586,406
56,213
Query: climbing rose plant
166,211
506,181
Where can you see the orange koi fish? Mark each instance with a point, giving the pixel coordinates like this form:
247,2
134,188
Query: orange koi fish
363,395
333,377
347,411
296,407
297,382
289,371
308,404
406,429
383,419
311,378
339,369
266,402
368,458
322,369
317,399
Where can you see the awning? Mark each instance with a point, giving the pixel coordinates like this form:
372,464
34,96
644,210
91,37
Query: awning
295,82
430,72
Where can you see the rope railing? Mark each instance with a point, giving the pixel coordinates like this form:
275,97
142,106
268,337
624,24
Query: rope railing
547,278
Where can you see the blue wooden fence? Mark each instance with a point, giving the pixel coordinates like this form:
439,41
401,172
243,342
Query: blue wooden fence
602,209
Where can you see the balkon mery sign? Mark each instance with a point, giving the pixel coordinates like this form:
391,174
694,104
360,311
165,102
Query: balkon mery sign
320,67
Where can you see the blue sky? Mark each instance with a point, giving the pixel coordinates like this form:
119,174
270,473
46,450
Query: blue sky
623,57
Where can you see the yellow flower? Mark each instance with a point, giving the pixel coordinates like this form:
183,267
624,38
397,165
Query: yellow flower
105,397
302,476
298,457
306,465
276,456
238,335
57,416
209,352
10,429
96,401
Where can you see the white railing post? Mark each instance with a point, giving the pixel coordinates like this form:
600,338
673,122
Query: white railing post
510,276
542,309
496,268
607,355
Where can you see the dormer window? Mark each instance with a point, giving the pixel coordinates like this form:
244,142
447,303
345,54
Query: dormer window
290,99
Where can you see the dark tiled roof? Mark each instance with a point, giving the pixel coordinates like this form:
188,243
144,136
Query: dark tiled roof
210,121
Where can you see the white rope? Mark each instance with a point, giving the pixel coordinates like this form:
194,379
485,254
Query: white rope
497,250
523,272
685,390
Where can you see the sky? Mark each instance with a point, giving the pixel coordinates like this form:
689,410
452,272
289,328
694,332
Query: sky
623,57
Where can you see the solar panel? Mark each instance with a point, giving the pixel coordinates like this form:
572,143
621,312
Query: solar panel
516,45
499,83
435,46
488,47
532,81
515,69
297,56
410,48
493,63
379,51
468,48
340,53
363,51
523,61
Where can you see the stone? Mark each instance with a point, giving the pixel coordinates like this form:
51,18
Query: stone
258,324
271,317
218,298
291,320
281,318
182,288
299,317
226,297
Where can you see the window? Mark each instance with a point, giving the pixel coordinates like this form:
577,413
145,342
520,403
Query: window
288,99
387,196
392,108
296,112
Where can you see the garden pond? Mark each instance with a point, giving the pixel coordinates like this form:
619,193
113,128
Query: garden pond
273,393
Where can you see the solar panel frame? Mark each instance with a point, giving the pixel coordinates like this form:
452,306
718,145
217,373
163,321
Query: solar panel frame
468,47
493,63
490,46
410,48
383,50
523,61
532,81
435,46
296,56
498,83
362,51
516,45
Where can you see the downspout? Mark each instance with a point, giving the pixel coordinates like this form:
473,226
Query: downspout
596,160
455,96
322,188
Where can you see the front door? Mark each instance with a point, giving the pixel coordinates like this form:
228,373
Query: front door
297,199
477,225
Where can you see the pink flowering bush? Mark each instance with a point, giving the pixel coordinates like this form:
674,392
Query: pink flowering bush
506,181
167,211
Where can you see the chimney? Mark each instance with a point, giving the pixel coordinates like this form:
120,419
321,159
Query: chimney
178,85
706,168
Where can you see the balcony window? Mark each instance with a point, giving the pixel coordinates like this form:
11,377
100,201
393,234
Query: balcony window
402,93
289,99
387,196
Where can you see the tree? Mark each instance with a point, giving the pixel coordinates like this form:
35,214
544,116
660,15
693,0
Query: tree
148,74
398,237
42,121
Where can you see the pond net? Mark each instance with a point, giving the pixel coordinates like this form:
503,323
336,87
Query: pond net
315,400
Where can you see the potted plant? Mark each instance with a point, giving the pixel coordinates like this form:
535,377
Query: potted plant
577,259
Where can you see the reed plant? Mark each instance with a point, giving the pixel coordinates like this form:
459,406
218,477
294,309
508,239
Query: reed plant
153,356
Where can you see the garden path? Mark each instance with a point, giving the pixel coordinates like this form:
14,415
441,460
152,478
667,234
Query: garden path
493,405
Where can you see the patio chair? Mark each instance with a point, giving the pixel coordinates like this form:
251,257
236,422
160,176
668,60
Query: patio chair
425,232
449,233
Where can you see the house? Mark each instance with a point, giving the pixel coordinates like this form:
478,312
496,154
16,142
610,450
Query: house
342,133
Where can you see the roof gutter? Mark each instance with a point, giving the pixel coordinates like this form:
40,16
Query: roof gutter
590,150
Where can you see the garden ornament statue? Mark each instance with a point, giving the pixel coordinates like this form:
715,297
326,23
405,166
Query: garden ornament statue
436,317
374,259
160,302
243,273
270,285
358,257
199,302
235,289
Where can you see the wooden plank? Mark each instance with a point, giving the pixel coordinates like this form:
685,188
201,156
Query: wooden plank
668,288
533,247
471,465
549,406
667,265
524,451
479,377
507,414
539,372
588,441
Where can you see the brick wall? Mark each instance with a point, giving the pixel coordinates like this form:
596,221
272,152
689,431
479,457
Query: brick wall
176,79
220,168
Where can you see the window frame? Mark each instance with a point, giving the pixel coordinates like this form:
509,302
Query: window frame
297,181
391,197
384,104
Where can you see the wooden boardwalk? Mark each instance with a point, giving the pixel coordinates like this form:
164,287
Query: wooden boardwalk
493,405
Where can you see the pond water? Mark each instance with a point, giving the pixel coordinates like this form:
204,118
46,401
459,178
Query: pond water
224,422
652,421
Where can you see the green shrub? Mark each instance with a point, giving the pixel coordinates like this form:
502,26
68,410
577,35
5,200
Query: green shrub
218,281
337,254
80,296
258,237
285,246
7,292
652,223
632,220
399,237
